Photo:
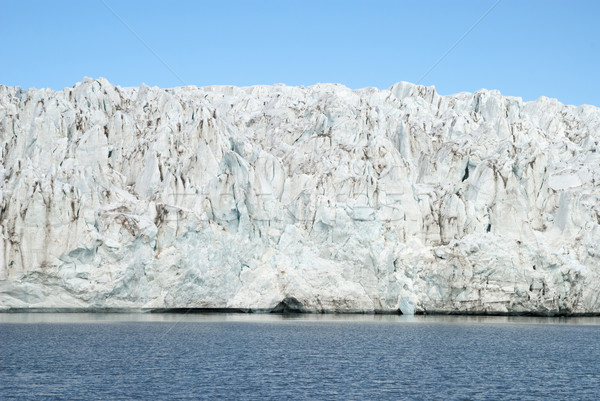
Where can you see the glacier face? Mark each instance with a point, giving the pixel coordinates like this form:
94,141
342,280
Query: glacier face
345,200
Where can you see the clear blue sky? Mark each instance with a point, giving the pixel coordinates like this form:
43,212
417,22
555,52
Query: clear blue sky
523,48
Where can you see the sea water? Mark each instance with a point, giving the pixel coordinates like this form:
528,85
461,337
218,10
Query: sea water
304,357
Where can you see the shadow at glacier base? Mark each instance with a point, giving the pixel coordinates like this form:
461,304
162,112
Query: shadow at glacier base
277,310
286,310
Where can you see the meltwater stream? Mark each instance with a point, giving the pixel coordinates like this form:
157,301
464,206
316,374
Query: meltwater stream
174,357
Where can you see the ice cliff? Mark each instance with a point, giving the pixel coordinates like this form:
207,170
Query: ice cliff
329,198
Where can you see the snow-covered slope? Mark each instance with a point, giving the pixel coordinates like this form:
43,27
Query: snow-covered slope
344,200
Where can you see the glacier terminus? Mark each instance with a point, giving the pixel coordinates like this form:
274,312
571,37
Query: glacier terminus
317,199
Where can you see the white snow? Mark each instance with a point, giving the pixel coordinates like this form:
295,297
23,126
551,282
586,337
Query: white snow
346,200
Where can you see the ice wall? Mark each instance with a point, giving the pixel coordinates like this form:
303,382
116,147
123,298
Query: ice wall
344,200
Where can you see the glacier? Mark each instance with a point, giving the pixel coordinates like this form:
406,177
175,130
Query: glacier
319,199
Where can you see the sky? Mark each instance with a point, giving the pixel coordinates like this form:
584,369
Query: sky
522,48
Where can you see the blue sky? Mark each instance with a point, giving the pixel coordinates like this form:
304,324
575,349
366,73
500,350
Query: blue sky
523,48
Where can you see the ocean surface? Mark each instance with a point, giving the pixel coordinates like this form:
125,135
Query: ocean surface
307,357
